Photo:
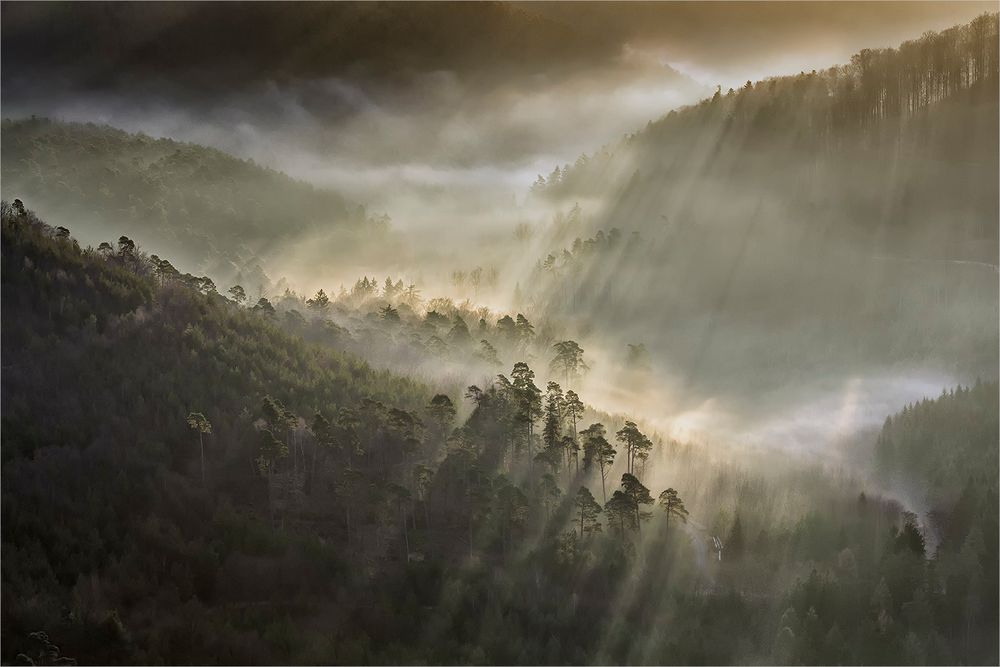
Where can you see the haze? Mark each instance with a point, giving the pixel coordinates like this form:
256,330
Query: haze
414,271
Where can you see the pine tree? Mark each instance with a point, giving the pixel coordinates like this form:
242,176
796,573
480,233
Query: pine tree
588,510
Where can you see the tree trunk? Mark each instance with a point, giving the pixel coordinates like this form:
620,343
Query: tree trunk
531,461
312,475
406,537
270,497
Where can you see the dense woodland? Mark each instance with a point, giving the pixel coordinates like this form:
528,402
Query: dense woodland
214,212
866,195
202,465
183,478
393,325
831,110
836,187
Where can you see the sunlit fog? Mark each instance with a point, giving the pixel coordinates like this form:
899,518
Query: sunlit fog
500,333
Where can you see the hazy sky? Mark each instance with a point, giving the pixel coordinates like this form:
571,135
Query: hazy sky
440,115
485,119
408,111
729,42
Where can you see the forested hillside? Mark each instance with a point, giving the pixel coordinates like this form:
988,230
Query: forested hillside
866,195
134,451
182,478
895,140
944,444
724,391
208,210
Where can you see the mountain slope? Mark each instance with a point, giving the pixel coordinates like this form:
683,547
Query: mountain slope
210,211
864,196
383,535
103,362
872,138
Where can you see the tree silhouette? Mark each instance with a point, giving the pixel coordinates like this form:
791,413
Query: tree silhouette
528,398
200,424
488,353
638,494
573,410
126,247
597,450
459,332
636,444
238,294
673,505
319,303
507,329
910,538
568,360
400,497
423,475
735,540
552,423
388,314
588,509
264,307
323,432
524,331
621,512
348,422
442,412
548,493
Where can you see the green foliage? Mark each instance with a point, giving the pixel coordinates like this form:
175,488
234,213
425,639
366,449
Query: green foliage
672,505
944,441
155,188
381,531
792,186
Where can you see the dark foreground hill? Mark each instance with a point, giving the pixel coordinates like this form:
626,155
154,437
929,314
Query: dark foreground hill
170,495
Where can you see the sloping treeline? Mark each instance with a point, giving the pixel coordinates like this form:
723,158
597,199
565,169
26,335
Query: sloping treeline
185,481
145,445
157,187
877,85
867,195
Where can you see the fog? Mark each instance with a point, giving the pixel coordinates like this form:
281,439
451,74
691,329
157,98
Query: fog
450,157
500,332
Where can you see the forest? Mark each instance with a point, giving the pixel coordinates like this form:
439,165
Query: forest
865,194
214,211
724,391
223,476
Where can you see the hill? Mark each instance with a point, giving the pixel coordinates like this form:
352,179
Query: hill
211,212
106,357
865,195
896,142
183,481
